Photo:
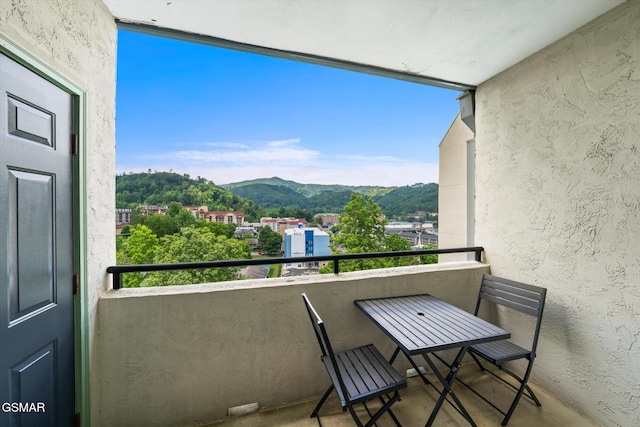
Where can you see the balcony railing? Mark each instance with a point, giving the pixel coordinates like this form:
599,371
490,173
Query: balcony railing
118,270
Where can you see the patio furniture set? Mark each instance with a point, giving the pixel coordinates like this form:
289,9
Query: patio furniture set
423,326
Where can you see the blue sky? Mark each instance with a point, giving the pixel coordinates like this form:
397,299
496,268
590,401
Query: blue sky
230,116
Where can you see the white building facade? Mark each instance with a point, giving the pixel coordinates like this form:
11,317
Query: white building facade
305,242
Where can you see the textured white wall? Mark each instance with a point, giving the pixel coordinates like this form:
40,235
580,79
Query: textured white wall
558,205
78,40
452,194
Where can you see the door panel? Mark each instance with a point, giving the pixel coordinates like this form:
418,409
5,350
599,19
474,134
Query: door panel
31,260
35,377
36,237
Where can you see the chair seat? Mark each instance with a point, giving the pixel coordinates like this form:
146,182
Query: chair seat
498,352
365,373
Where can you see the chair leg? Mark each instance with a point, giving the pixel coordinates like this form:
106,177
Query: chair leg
520,391
530,394
393,416
475,358
324,398
355,417
385,408
519,394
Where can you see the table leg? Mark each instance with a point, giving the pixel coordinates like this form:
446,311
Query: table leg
395,354
446,383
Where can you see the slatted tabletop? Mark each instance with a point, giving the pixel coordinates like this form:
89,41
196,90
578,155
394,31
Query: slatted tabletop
421,324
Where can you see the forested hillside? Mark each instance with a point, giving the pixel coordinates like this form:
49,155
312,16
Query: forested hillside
404,200
309,190
271,196
267,197
162,188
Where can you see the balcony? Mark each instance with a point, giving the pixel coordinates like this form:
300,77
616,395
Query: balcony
185,355
553,196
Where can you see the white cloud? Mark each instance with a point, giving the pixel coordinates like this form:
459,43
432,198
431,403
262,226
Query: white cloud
288,159
281,143
257,152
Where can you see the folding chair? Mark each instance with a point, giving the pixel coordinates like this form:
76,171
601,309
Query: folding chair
358,375
524,298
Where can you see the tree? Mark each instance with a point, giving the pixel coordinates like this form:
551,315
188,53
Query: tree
162,225
196,244
429,259
139,248
361,226
217,228
173,209
360,229
264,234
270,241
395,243
273,244
174,219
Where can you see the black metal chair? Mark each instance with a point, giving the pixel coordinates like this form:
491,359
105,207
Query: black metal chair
521,297
358,375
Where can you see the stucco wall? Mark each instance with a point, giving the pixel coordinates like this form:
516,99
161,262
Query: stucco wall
78,40
558,205
185,354
452,195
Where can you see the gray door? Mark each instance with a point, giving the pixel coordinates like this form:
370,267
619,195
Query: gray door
36,254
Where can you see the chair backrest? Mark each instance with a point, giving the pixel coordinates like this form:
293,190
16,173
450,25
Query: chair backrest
518,296
323,340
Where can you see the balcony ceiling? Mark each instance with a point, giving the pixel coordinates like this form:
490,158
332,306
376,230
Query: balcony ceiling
461,41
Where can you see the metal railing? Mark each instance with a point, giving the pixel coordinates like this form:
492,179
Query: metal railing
118,270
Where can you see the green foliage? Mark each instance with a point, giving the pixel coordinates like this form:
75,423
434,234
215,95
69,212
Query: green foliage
290,213
175,218
200,242
162,188
271,196
329,201
178,237
361,226
217,228
192,245
273,245
270,241
361,229
404,200
395,243
310,190
255,197
395,202
429,259
275,271
139,248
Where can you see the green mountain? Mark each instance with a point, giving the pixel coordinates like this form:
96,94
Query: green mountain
271,196
309,190
395,202
404,200
265,197
329,201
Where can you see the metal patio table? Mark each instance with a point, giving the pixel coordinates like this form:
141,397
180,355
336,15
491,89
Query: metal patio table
423,325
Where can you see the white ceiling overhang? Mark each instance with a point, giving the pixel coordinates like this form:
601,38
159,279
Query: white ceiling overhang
463,42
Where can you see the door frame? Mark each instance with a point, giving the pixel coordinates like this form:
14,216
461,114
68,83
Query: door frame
79,213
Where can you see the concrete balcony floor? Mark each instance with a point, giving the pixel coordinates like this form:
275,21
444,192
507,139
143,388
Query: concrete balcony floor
415,407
